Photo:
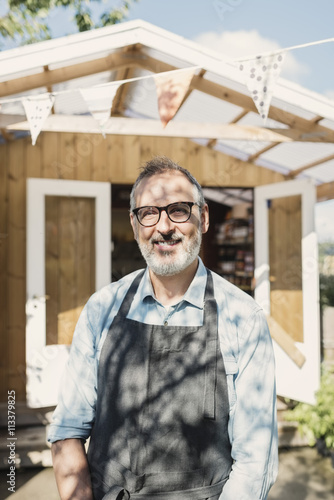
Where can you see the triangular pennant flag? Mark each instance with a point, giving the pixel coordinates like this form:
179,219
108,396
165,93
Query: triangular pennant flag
37,110
261,74
171,89
99,101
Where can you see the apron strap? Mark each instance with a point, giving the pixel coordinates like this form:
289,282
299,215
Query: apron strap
211,321
126,304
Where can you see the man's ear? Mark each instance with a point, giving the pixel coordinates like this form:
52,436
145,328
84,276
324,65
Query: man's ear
133,223
205,218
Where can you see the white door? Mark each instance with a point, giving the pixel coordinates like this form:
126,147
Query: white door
45,359
286,283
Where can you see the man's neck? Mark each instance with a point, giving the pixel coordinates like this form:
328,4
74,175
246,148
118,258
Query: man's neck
169,290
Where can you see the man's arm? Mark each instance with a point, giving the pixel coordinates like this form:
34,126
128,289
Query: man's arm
254,425
71,470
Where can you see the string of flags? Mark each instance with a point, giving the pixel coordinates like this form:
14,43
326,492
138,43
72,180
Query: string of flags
260,75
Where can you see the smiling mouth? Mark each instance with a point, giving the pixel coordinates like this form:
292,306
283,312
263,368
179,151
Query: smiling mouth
166,243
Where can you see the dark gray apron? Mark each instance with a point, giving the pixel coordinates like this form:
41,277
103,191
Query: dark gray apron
160,430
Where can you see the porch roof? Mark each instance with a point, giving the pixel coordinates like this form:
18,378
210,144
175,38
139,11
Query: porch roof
218,112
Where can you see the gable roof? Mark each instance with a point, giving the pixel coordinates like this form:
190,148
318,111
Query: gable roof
298,139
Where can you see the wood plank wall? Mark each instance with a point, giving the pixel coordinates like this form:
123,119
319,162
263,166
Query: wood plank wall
115,159
285,260
69,263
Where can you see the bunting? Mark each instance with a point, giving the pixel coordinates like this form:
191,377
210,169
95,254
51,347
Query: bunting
37,110
261,74
171,89
99,101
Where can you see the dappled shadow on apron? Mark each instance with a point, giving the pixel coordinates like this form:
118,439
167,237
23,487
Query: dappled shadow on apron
162,409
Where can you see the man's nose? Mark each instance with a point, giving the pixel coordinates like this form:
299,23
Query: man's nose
165,225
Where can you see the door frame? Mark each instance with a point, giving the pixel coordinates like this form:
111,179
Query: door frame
42,359
293,381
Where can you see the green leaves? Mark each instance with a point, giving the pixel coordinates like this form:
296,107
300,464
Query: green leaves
27,21
317,422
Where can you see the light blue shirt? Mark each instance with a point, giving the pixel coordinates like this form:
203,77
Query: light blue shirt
247,351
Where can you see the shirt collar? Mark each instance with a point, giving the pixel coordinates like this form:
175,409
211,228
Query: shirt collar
194,295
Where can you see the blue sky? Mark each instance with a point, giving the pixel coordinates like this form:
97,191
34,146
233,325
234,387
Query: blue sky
282,22
243,27
286,22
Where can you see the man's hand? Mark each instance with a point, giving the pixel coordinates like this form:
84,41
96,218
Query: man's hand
71,470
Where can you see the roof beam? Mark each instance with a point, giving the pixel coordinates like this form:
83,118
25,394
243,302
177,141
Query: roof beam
112,62
189,91
128,126
120,97
122,92
321,161
7,135
7,120
211,143
304,128
131,126
263,150
239,116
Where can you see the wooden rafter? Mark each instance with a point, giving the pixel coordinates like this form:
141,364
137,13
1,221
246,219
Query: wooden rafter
122,74
253,157
300,128
189,91
239,116
316,119
303,129
298,171
7,135
112,62
211,143
49,87
130,126
121,94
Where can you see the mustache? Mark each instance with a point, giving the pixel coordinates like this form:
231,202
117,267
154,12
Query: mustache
166,237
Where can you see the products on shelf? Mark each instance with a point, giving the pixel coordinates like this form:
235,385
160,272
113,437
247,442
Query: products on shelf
235,256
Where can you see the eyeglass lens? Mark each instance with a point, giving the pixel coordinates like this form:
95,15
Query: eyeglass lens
177,212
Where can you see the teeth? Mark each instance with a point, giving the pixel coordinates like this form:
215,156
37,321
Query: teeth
166,243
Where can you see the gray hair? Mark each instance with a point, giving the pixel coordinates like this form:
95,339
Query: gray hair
160,165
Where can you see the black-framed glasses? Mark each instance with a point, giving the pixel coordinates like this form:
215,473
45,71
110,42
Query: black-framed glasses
176,212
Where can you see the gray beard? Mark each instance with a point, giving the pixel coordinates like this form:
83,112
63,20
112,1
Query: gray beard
160,268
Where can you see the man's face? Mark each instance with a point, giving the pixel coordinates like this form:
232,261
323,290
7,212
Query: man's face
169,247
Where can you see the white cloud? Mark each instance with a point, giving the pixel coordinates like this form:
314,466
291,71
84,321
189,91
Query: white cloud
235,44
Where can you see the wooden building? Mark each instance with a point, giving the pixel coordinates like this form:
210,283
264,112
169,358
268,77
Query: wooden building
64,227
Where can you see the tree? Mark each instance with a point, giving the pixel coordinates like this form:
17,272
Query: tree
28,20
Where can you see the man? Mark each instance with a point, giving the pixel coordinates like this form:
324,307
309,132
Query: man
171,371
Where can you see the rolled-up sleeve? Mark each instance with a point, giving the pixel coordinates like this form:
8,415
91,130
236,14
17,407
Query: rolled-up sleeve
253,418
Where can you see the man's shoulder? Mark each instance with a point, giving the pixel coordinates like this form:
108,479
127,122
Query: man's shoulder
233,296
109,297
115,288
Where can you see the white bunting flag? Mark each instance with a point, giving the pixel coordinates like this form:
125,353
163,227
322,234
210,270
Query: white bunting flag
99,101
171,89
37,110
261,74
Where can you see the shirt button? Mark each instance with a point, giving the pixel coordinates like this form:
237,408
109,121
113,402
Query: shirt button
165,322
